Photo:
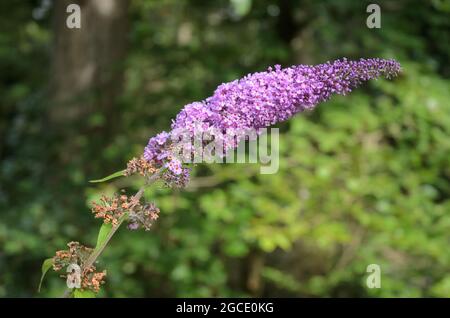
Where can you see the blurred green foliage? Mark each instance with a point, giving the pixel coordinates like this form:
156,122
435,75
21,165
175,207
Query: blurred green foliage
363,179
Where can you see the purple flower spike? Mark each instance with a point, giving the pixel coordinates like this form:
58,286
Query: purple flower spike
263,99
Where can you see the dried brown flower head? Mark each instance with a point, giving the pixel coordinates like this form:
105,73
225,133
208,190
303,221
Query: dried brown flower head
111,209
143,216
140,166
92,279
78,254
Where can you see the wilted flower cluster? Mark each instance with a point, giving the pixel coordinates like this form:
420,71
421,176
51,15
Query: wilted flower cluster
140,166
143,216
78,254
92,280
262,99
111,209
114,208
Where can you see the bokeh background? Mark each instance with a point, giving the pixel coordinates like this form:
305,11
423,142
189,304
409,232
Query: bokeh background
364,179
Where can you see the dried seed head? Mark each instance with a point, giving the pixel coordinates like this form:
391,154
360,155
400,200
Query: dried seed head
140,166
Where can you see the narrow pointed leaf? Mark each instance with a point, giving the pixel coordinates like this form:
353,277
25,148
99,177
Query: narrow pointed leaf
103,233
46,265
117,174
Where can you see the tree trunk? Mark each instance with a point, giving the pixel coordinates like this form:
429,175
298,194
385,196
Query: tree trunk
87,72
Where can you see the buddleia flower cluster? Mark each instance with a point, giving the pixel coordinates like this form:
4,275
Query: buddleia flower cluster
258,101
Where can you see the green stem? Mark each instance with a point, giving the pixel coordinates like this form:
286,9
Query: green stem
96,253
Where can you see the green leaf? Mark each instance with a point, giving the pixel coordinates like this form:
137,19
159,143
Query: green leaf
103,233
46,265
78,293
120,173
